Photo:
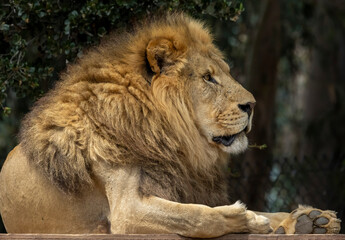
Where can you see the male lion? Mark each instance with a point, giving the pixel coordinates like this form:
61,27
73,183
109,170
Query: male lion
134,139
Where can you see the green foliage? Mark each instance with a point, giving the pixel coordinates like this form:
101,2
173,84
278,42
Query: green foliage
38,37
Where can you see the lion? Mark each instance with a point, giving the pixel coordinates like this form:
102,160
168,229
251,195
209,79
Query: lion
135,139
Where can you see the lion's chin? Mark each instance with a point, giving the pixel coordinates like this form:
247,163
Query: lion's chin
233,144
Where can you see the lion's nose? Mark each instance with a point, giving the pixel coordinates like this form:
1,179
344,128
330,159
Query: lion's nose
248,107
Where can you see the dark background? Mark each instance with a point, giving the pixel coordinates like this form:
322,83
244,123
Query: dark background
290,54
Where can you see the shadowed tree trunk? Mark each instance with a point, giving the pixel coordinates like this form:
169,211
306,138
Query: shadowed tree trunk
261,69
323,109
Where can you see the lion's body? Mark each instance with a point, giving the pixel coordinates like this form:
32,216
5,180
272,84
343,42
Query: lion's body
133,139
34,205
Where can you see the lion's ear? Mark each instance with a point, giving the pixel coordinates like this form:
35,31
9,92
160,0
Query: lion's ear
162,52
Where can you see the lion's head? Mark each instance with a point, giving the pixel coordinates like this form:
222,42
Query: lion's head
220,106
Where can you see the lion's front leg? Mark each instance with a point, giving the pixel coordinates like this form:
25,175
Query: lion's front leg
194,220
129,212
304,220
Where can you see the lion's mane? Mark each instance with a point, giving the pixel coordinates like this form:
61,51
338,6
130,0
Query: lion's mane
107,108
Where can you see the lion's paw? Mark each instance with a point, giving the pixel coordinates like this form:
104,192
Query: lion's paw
241,220
257,223
308,220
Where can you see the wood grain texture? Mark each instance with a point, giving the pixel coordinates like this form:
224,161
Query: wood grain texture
171,236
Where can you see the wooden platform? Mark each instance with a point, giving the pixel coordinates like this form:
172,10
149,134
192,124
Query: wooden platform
170,236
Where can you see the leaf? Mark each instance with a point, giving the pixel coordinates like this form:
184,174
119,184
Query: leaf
7,111
41,14
4,27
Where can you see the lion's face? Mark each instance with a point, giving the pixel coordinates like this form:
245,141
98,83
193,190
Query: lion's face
223,109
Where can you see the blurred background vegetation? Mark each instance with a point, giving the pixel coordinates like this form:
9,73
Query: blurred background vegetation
290,54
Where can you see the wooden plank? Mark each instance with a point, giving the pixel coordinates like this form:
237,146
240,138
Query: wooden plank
170,237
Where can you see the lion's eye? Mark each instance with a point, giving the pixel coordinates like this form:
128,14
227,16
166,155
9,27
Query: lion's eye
208,78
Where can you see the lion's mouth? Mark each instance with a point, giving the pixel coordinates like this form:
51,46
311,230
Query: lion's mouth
225,140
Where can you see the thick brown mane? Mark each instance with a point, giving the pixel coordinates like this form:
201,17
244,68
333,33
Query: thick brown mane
109,107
